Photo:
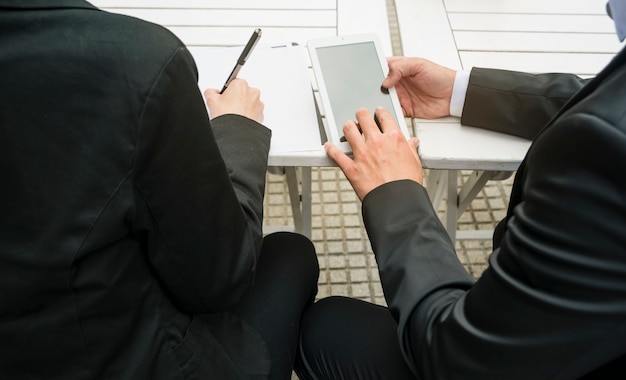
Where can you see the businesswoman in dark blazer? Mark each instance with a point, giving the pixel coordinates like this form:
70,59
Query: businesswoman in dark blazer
552,304
131,242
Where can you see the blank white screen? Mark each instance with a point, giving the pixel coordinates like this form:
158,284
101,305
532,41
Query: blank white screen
352,75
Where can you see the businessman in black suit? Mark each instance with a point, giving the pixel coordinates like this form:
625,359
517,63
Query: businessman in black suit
131,242
552,304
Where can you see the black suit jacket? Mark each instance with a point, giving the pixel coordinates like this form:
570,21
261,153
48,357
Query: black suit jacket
129,224
552,304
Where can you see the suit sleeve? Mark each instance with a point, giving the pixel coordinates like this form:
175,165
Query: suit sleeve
204,205
516,103
551,304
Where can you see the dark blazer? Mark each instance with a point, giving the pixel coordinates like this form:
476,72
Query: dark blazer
126,232
552,304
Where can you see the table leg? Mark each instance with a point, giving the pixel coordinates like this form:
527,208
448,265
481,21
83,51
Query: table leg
468,192
436,185
301,203
470,189
452,204
291,175
306,213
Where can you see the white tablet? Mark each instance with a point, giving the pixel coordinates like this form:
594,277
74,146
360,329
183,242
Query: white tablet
349,71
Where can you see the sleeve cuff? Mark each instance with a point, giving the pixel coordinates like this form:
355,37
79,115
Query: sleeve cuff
459,90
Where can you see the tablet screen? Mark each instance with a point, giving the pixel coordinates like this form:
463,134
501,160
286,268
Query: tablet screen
352,75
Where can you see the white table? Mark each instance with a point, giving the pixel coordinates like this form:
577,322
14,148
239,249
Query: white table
215,23
531,35
228,23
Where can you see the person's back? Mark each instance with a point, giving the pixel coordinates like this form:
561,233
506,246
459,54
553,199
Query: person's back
74,284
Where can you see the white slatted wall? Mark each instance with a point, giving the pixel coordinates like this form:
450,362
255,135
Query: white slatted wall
573,36
534,35
230,22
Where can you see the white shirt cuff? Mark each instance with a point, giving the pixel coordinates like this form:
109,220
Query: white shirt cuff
459,90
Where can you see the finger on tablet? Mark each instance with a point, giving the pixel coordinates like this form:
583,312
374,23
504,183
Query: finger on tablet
385,119
352,132
366,121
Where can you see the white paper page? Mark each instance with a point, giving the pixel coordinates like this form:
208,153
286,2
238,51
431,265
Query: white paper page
282,75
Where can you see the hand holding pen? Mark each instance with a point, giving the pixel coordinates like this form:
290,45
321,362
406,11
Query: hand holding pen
241,99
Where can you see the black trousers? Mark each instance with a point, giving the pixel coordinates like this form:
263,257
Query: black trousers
284,286
346,338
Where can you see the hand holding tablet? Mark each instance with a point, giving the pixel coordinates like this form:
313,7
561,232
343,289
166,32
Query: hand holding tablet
349,71
381,153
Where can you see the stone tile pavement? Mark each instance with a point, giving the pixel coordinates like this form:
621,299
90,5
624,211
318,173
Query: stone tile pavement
347,264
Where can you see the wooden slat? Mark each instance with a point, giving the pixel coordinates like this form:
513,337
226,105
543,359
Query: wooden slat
364,16
425,31
236,36
581,64
536,42
217,4
230,17
229,23
588,7
534,36
531,22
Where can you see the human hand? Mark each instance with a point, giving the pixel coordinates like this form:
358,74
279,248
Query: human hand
424,88
239,98
379,157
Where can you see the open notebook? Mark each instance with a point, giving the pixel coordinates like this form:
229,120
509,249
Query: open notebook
281,72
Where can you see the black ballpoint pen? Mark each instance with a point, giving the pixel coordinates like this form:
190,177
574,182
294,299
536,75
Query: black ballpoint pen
256,35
